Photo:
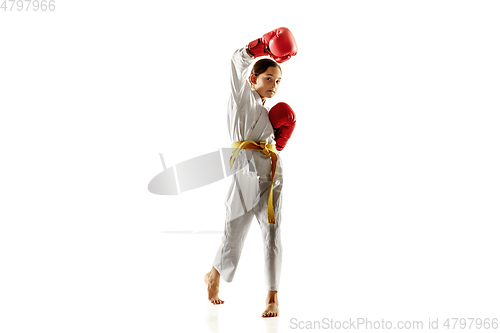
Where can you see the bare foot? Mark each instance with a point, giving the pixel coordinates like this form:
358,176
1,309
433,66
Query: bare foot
271,310
212,282
271,305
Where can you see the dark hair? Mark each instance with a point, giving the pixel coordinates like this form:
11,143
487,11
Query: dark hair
261,66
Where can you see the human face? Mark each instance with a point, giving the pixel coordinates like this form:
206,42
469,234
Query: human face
267,83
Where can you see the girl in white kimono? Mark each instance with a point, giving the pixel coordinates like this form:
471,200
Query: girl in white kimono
255,149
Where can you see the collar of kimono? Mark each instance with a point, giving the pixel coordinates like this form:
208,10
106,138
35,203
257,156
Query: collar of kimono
257,96
269,150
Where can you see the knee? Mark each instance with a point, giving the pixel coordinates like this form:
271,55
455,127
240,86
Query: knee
232,246
273,245
273,240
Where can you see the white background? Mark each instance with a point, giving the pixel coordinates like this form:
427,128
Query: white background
391,195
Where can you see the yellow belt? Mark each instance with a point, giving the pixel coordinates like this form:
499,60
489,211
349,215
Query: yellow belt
269,150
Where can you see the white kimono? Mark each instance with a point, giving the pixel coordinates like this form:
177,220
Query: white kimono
248,119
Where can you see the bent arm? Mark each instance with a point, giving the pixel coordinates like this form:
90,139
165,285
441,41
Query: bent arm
240,71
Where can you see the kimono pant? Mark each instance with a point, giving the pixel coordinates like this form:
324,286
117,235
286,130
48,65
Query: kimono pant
236,230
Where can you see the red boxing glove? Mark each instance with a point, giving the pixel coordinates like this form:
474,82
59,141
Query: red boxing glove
283,120
279,44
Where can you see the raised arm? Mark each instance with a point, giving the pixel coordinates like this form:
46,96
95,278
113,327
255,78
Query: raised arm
279,44
240,71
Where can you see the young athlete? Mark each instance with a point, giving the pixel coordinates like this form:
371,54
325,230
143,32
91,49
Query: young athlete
256,189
